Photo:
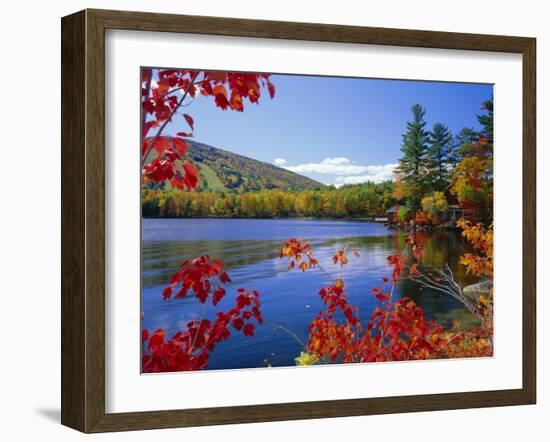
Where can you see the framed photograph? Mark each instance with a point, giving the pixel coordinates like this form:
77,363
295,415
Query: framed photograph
265,221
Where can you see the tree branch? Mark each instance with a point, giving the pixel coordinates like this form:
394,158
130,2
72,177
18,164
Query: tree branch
449,287
157,135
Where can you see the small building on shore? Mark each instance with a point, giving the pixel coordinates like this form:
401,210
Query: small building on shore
393,213
455,212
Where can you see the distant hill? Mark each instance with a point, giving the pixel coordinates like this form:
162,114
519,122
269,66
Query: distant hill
224,171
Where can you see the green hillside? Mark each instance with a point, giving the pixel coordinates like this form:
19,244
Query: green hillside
224,171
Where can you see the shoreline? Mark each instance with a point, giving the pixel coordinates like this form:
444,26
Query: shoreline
369,220
303,218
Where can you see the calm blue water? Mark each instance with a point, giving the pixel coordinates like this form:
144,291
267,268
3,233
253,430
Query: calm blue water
249,248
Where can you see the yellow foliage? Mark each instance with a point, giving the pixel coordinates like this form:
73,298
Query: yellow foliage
480,262
306,359
435,204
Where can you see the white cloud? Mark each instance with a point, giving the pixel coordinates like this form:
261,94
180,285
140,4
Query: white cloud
329,166
336,161
279,161
346,171
375,173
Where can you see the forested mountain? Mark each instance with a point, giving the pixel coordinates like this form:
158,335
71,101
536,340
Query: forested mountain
224,171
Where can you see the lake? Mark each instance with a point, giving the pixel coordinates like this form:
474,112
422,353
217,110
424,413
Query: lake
249,248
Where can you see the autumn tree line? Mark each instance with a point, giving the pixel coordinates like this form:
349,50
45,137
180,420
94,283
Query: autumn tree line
436,169
361,200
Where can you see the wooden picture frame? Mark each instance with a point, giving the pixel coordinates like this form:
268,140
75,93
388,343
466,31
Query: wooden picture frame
83,219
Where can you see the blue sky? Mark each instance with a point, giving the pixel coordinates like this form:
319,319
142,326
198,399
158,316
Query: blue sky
333,129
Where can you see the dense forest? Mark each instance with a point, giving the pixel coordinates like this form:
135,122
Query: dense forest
437,170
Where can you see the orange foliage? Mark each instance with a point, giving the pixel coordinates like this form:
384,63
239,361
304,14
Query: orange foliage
480,262
422,218
298,252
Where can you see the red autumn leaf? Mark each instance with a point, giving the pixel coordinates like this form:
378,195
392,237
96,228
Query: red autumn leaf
177,181
382,296
237,323
248,330
144,334
257,315
181,293
216,76
271,89
189,120
185,134
220,95
340,258
191,175
156,339
161,144
236,102
395,261
224,277
243,299
217,296
167,292
146,126
181,146
146,74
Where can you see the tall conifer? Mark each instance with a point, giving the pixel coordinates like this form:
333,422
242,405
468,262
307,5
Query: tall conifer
413,164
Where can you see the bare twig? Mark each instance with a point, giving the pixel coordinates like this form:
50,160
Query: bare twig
444,282
200,323
286,330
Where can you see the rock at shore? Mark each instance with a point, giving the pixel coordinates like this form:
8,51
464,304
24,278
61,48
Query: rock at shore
474,291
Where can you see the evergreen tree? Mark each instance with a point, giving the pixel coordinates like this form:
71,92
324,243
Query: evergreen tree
413,164
486,121
465,142
440,152
462,143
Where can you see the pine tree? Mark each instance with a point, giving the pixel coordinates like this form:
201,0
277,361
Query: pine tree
440,152
486,121
413,164
462,143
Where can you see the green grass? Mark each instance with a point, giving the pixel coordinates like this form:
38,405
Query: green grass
208,175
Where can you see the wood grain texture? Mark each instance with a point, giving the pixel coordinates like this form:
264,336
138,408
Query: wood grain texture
529,220
95,222
73,211
83,219
143,21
